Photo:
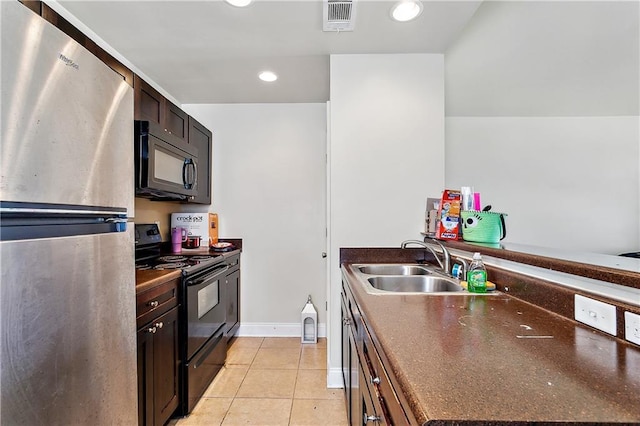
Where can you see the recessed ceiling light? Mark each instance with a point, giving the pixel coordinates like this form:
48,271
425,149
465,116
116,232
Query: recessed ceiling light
239,3
267,76
406,10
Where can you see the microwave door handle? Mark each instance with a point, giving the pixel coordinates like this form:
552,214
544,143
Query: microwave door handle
188,178
195,173
185,172
189,173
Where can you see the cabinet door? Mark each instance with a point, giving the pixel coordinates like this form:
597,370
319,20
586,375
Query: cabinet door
356,384
346,362
201,138
233,302
368,413
145,377
176,121
165,366
149,104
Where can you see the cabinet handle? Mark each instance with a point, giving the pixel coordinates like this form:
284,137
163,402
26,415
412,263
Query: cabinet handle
375,380
368,419
154,303
159,324
151,330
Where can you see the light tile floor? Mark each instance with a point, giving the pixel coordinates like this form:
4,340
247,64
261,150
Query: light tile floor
271,381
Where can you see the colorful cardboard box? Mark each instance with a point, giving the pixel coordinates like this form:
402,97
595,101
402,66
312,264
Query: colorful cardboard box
449,215
203,225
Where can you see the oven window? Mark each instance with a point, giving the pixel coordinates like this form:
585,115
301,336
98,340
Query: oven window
208,297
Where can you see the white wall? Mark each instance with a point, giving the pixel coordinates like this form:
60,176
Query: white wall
545,98
553,176
386,157
269,177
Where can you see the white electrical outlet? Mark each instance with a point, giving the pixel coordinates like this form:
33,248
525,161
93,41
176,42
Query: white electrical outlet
632,327
597,314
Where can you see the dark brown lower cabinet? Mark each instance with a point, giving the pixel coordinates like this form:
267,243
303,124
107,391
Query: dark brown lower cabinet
158,360
368,414
158,369
369,393
351,372
232,297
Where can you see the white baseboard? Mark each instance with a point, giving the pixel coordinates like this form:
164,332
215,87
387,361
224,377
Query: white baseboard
334,378
268,329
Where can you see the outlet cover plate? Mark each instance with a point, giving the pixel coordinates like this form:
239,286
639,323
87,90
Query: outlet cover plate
596,314
632,327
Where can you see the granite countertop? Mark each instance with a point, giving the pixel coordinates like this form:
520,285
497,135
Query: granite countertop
623,277
495,358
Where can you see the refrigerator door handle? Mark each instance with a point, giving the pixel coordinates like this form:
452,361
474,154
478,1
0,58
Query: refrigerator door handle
120,223
58,211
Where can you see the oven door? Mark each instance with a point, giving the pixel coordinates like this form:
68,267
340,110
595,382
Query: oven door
205,307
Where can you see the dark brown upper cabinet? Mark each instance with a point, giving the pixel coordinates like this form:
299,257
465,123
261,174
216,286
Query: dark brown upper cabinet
150,105
202,138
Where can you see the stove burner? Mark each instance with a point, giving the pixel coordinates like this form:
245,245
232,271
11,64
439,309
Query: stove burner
143,267
173,265
171,259
198,258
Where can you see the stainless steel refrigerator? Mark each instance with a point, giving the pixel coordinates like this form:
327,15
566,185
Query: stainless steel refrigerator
67,289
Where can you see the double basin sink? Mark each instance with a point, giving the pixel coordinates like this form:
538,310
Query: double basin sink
405,278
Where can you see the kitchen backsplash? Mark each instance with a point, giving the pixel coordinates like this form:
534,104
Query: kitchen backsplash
147,211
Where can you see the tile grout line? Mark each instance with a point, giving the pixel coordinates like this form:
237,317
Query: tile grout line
241,382
293,397
251,366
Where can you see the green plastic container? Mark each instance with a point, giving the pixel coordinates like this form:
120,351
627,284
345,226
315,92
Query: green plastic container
483,227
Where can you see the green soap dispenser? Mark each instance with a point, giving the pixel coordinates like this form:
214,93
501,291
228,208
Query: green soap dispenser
477,275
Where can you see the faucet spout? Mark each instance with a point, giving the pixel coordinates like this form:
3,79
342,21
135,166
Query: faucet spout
446,258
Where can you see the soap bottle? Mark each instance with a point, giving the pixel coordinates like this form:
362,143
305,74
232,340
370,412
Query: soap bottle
477,275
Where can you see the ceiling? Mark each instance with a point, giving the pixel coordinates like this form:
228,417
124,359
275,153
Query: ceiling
211,52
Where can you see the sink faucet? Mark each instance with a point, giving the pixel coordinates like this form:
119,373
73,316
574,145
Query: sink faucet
446,257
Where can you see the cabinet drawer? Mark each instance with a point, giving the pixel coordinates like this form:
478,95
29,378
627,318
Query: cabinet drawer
156,301
390,409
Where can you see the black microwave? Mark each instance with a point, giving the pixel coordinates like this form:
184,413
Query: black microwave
166,167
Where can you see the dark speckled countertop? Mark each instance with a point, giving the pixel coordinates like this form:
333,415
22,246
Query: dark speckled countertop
493,359
147,279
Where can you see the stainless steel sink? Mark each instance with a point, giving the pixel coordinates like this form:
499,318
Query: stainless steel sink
415,284
407,279
395,270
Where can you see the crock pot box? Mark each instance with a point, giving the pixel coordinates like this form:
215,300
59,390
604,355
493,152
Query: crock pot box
203,225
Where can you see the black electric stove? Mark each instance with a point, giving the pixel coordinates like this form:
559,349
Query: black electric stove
201,314
151,254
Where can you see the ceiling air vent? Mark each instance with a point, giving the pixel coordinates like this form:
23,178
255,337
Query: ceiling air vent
338,15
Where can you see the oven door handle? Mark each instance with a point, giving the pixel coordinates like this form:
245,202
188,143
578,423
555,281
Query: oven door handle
217,271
